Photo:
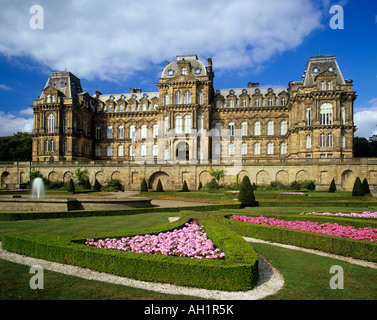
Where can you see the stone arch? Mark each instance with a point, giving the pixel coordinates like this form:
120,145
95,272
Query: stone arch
302,175
205,177
67,176
348,180
263,178
241,174
182,151
282,177
53,176
5,179
163,176
100,176
116,175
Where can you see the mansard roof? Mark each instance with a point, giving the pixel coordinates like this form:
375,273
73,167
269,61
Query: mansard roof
66,82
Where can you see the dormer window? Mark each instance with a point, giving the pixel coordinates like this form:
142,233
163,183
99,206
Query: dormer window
197,70
331,69
323,85
315,70
329,85
184,71
62,84
170,72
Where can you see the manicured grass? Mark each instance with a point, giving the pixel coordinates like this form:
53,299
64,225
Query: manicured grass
307,276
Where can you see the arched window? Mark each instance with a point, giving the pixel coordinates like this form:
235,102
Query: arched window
283,148
110,108
244,128
155,150
342,141
283,128
270,128
308,120
120,132
308,141
230,149
329,85
187,120
330,140
132,150
155,130
187,97
270,102
231,103
257,128
143,131
200,98
257,148
132,132
51,123
144,107
178,124
231,129
326,114
270,148
178,97
109,151
323,140
257,102
218,103
166,99
155,106
143,150
283,101
121,107
244,148
184,71
109,132
120,151
48,99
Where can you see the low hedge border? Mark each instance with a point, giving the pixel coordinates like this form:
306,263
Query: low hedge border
314,203
357,249
15,216
237,272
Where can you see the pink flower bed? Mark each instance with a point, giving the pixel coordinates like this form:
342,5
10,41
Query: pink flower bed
190,241
369,234
355,215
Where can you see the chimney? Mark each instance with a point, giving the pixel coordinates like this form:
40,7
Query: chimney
133,90
253,85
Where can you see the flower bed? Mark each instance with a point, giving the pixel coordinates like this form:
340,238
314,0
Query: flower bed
354,215
368,234
190,241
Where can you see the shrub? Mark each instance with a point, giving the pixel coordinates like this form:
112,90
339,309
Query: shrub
185,187
311,186
112,185
366,186
357,190
294,185
159,186
332,188
71,186
200,185
97,186
87,184
143,186
246,195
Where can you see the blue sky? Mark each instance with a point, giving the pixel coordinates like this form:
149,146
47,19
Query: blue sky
115,45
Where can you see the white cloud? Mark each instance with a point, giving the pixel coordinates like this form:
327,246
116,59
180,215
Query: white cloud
366,120
115,39
12,123
5,87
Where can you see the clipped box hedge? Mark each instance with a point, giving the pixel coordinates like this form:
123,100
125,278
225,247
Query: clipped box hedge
357,249
15,216
237,272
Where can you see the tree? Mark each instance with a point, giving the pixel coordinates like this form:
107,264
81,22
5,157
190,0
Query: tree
17,147
246,195
366,186
185,187
143,186
159,186
81,176
71,186
217,174
332,188
357,190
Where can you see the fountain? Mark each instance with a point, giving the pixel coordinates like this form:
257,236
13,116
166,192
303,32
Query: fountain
38,189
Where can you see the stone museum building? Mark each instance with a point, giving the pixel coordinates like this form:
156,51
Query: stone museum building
303,131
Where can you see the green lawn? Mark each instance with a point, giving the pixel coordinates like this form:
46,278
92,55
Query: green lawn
306,275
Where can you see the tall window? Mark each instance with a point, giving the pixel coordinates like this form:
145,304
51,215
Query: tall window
257,148
244,148
244,128
308,141
187,120
283,148
51,123
323,140
166,124
144,131
144,107
98,151
283,101
187,97
231,103
184,71
178,97
155,150
120,132
65,124
132,150
244,102
132,131
121,107
283,128
270,148
155,131
308,120
166,99
329,85
323,85
132,107
109,132
143,150
218,127
218,103
342,141
178,124
230,149
270,102
326,114
200,122
330,140
257,128
270,128
342,115
257,102
200,98
109,151
98,133
120,151
110,108
231,129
